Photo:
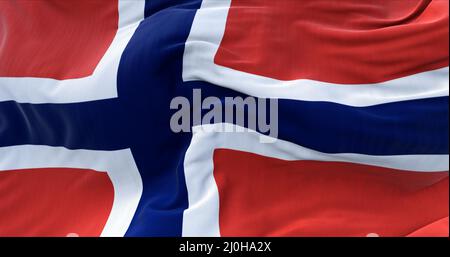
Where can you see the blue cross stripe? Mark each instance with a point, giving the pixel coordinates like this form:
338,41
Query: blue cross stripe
150,76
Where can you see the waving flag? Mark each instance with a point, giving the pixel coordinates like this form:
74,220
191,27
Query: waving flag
87,149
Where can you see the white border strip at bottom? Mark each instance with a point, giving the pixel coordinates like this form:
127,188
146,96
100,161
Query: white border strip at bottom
205,37
102,84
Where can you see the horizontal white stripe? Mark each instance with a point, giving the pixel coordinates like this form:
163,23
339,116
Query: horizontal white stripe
119,165
202,216
205,37
102,84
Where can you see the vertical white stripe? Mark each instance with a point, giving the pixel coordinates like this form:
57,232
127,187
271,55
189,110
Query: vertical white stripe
119,165
206,35
202,216
102,84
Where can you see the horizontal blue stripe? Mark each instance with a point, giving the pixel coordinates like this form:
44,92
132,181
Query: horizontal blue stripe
406,127
150,76
409,127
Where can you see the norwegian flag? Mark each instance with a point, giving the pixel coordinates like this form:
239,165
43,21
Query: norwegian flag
85,143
